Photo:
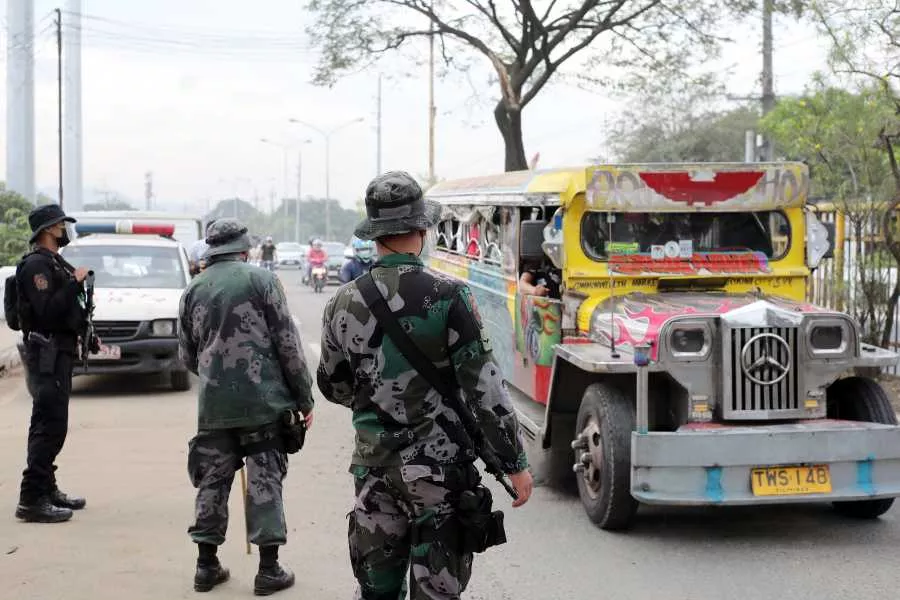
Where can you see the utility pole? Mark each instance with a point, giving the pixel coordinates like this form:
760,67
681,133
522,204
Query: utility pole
297,206
59,100
431,109
378,131
768,79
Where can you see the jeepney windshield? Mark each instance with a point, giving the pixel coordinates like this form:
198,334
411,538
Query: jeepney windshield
767,232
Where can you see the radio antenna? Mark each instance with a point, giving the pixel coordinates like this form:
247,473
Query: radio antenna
610,219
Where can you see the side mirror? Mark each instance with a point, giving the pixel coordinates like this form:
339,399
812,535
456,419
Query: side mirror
819,240
831,240
531,240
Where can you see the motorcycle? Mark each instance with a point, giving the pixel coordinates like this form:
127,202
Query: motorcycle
319,277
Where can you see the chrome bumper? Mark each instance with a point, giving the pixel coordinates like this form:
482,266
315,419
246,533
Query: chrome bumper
711,465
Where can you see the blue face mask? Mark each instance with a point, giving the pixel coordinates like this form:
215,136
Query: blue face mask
364,254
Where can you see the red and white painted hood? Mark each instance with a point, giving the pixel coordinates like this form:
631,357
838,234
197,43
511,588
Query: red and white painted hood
639,318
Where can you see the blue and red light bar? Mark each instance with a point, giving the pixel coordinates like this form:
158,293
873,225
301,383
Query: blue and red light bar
125,226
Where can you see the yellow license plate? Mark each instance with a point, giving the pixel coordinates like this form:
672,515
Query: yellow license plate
791,481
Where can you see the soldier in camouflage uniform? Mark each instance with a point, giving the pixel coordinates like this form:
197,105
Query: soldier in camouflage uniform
237,334
412,457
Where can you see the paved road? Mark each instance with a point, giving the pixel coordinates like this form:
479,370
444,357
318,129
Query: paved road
126,451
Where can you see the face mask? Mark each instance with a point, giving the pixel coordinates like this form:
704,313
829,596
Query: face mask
364,255
63,240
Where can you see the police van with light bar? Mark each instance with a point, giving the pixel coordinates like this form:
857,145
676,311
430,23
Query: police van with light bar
140,274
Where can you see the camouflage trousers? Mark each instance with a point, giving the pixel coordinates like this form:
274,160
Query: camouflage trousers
213,459
396,528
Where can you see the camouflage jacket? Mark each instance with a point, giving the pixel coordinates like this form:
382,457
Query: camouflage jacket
399,418
236,332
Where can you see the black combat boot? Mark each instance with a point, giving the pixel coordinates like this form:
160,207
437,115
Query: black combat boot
271,577
62,500
210,571
42,511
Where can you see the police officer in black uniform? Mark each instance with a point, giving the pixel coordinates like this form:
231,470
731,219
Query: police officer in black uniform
51,313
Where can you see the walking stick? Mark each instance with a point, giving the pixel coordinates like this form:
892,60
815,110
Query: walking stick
244,500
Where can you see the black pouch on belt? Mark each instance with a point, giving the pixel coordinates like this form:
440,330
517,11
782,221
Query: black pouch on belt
293,431
481,527
46,350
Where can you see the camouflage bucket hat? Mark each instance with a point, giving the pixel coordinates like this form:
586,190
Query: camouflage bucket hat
395,205
226,236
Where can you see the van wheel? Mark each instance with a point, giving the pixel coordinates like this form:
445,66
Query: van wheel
180,380
603,457
861,399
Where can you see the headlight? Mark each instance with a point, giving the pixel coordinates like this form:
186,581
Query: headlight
689,341
163,328
826,337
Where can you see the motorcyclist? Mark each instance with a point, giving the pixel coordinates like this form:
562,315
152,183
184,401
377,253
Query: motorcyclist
268,254
315,257
359,265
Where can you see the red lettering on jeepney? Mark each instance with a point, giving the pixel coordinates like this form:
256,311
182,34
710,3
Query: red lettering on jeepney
636,264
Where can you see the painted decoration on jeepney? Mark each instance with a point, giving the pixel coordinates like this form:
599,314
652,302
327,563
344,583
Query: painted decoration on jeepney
638,318
538,328
705,263
694,186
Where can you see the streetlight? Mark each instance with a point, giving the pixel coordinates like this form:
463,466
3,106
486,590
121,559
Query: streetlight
285,148
326,134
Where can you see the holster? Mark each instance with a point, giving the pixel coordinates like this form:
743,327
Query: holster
293,431
480,527
45,350
474,527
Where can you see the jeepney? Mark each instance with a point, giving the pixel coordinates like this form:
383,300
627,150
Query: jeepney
680,363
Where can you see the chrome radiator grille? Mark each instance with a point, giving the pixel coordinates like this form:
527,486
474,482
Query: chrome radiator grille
763,373
116,330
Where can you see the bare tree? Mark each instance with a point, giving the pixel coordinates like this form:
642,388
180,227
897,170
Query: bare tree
527,43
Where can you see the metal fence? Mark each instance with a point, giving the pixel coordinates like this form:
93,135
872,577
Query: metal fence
860,276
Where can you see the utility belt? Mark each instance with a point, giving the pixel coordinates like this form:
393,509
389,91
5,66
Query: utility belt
474,526
287,434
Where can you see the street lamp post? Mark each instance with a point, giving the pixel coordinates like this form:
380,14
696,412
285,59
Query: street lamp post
285,148
327,136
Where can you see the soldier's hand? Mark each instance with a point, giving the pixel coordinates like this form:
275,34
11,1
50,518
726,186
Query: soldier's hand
80,274
523,483
308,417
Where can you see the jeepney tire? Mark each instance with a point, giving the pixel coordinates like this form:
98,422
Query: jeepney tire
861,399
180,380
613,508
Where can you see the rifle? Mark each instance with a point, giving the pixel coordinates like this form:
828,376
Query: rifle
88,337
427,369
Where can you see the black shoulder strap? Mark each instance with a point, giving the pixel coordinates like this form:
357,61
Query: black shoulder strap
388,321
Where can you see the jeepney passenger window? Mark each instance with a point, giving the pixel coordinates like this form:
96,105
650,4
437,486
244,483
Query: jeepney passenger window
767,233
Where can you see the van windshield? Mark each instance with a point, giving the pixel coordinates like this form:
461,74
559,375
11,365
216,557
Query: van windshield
647,233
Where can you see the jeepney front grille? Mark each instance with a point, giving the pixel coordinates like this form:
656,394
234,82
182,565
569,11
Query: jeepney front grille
778,348
116,330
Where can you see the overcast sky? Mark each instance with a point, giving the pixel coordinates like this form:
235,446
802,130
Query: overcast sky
194,115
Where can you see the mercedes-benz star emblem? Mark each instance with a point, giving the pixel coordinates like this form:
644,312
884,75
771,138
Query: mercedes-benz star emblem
766,359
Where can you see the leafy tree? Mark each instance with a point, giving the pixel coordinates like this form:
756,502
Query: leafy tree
14,228
865,50
526,43
832,130
682,122
280,224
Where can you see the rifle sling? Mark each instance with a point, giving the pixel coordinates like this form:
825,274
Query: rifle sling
407,347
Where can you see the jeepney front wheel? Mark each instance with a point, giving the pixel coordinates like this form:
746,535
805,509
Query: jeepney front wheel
603,457
861,399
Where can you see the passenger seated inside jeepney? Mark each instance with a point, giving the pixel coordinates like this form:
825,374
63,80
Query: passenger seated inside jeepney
636,233
542,279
